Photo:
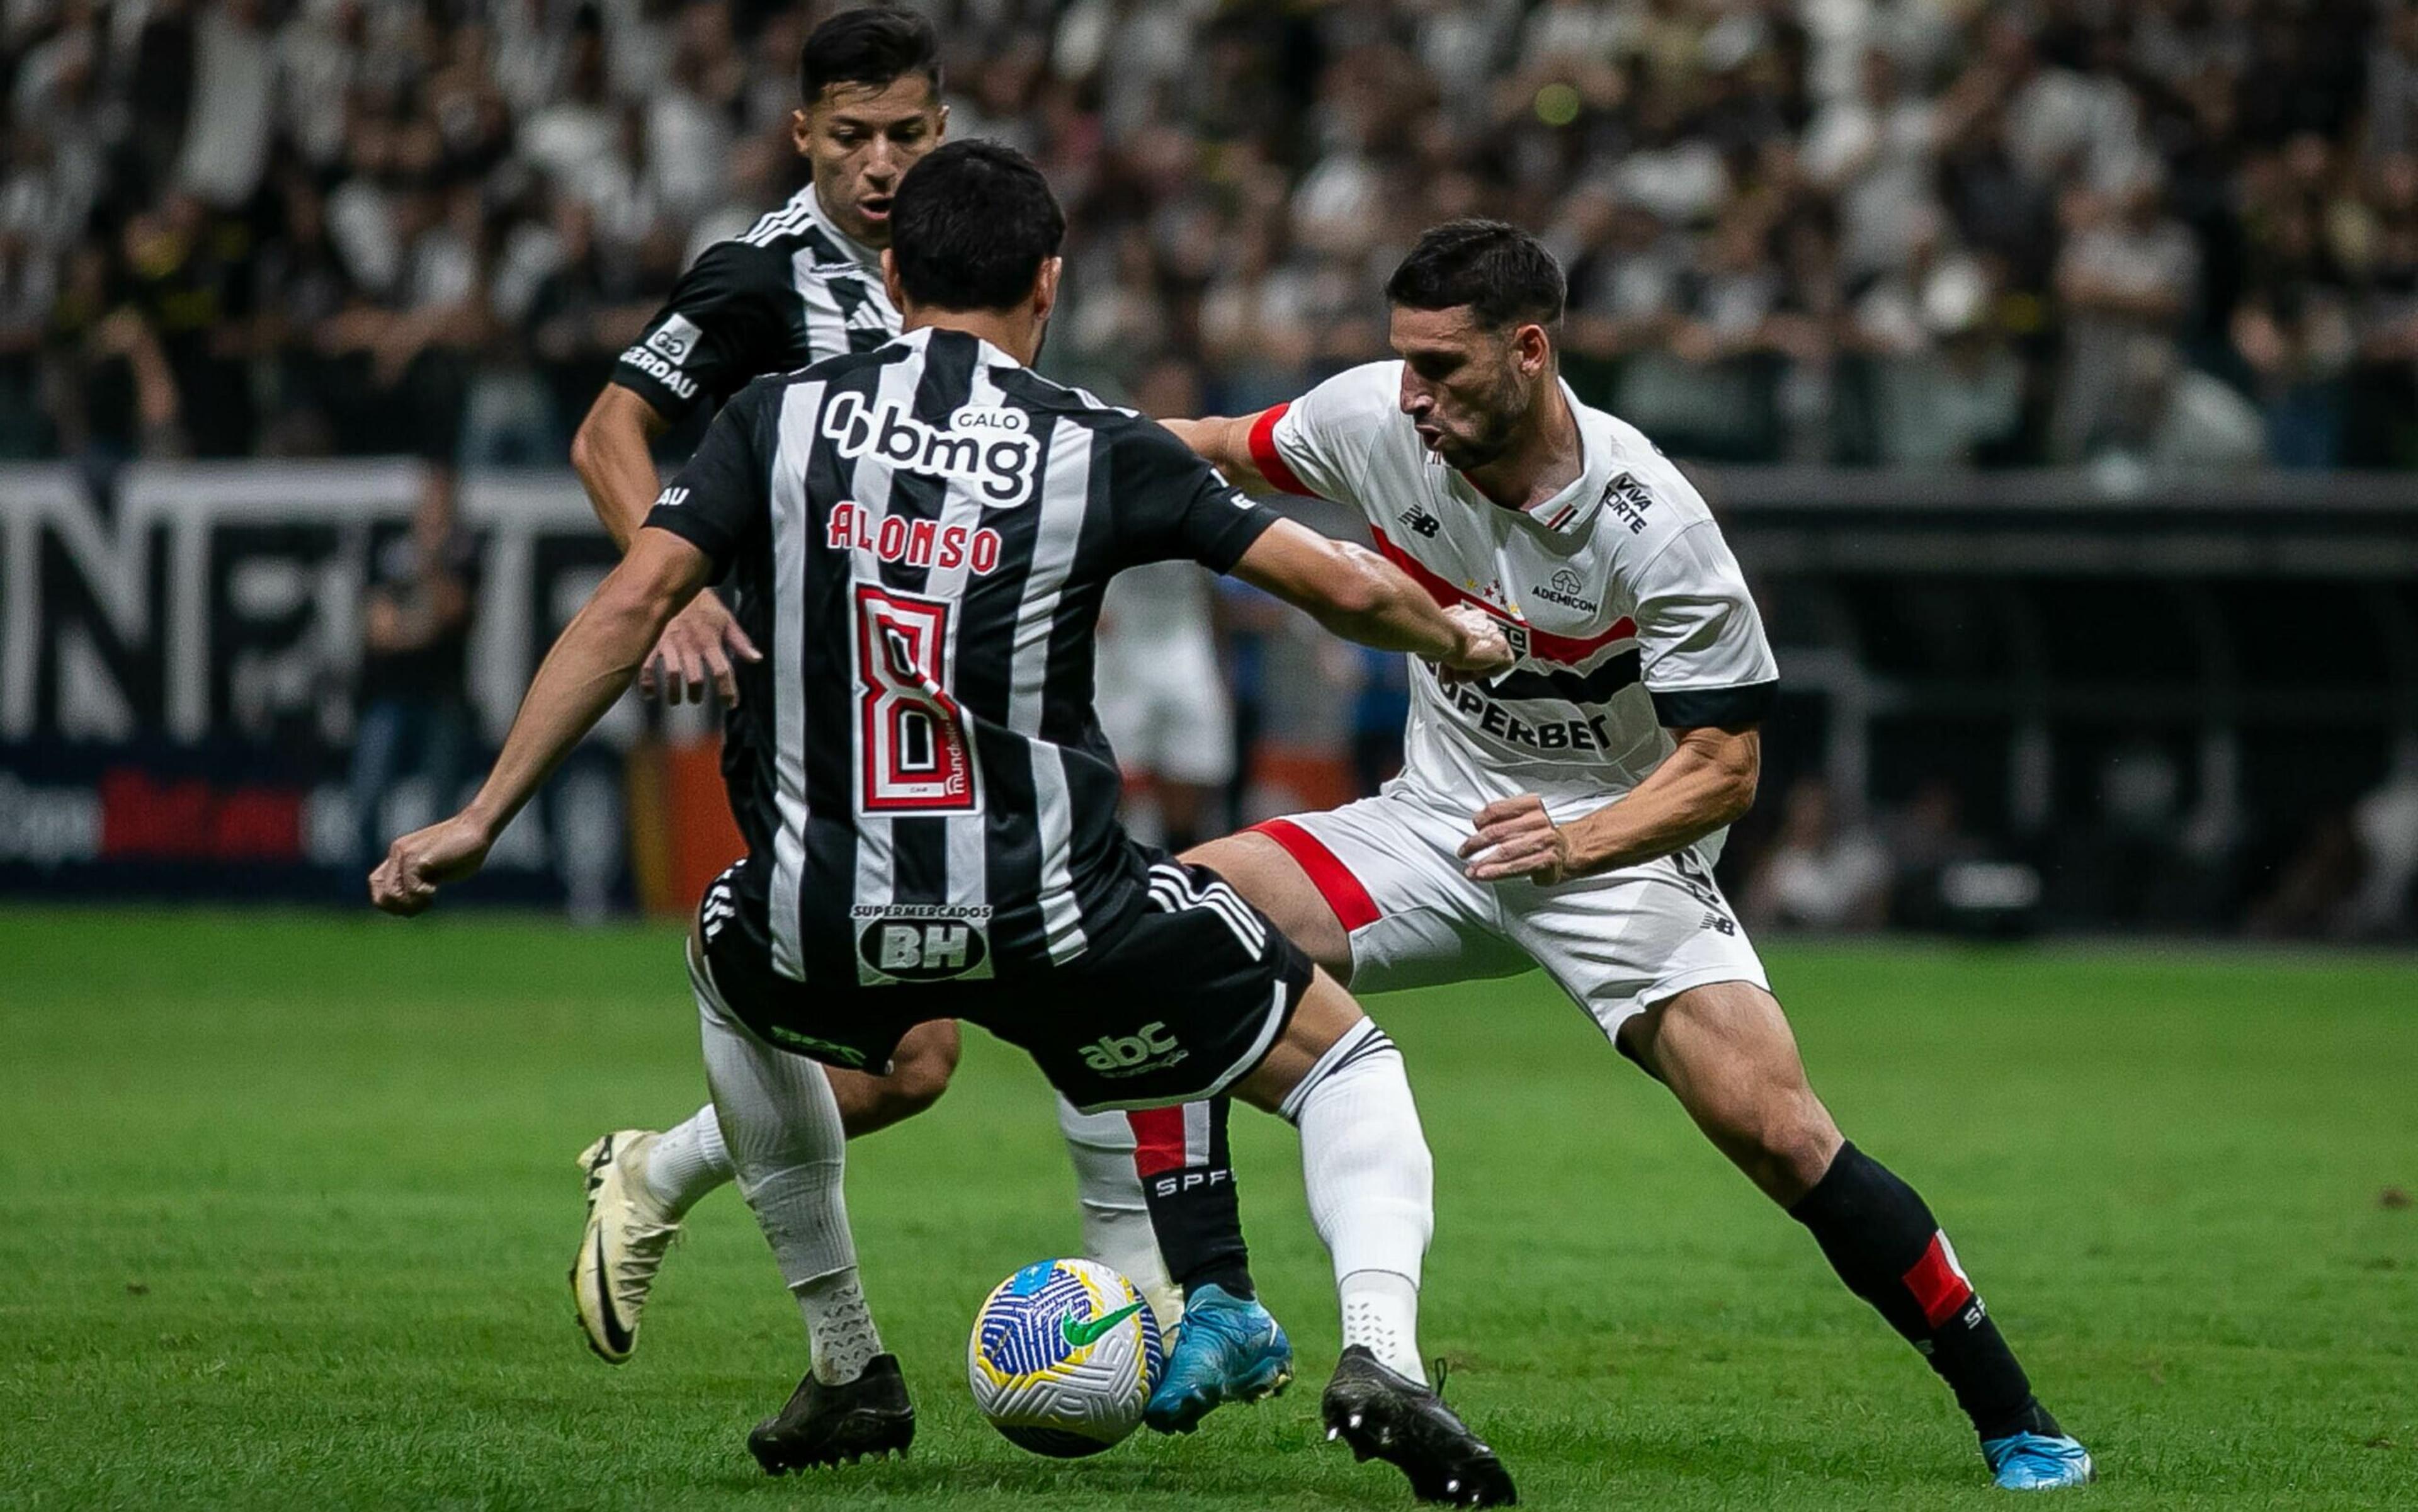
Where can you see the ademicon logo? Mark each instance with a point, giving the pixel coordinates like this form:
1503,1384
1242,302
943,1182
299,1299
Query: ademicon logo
989,449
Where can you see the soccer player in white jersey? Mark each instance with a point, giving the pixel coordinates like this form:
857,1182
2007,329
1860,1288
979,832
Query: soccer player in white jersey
1568,813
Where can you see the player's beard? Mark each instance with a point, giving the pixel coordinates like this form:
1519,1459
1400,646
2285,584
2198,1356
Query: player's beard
1496,420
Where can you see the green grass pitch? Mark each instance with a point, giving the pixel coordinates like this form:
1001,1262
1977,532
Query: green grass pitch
285,1204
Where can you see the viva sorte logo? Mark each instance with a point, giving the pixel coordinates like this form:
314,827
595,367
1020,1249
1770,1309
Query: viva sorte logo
989,449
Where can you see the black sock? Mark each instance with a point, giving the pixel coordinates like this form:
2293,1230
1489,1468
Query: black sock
1882,1240
1180,1153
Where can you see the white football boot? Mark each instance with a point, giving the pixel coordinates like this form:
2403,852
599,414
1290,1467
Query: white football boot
627,1235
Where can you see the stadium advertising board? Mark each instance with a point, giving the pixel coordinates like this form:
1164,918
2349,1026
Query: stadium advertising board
180,651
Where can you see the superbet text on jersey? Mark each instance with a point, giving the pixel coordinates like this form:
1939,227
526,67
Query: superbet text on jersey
1628,610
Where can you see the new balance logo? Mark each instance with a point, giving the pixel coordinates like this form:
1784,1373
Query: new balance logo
1420,521
1150,1047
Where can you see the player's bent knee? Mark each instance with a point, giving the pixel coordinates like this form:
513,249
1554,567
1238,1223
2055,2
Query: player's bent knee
921,1068
1324,1015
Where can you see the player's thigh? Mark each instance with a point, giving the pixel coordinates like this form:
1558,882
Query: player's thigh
1622,941
920,1071
1726,1052
1374,891
1186,999
1274,883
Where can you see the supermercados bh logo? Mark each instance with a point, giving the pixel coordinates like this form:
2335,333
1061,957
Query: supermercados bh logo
989,449
1568,590
907,943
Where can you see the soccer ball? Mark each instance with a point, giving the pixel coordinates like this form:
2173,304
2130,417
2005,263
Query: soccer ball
1064,1355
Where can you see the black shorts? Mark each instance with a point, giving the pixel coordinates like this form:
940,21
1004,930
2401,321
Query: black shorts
1182,1001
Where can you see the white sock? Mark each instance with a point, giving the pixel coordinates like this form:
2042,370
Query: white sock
1117,1230
1381,1309
839,1326
1371,1189
688,1161
782,1128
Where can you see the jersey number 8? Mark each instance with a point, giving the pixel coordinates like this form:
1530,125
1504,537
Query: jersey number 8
911,745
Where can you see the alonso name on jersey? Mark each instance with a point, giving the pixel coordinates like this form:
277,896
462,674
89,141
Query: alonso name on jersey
1629,613
920,536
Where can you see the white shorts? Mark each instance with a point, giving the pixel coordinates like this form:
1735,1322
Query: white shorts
1163,706
1618,942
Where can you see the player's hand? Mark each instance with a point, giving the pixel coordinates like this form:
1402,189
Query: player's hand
1484,650
696,648
418,864
1515,837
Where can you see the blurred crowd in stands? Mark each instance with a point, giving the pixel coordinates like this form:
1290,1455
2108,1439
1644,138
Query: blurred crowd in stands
1936,233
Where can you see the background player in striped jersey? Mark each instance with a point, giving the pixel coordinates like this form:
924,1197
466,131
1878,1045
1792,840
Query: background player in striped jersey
805,283
923,535
1568,812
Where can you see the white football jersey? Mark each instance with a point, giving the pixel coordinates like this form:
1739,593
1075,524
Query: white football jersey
1629,612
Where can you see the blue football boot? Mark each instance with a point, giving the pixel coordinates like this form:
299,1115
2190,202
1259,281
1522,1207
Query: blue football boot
2037,1461
1227,1350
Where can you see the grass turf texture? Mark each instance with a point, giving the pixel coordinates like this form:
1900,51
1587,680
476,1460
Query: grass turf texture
289,1201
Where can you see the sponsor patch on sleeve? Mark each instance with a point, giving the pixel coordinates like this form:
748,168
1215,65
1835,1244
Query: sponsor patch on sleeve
675,338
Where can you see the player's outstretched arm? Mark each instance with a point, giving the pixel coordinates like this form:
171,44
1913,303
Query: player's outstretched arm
612,453
1360,596
1225,444
1709,781
589,667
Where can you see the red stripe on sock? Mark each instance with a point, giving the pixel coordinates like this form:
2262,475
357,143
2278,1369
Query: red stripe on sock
1158,1140
1940,1288
1271,462
1334,880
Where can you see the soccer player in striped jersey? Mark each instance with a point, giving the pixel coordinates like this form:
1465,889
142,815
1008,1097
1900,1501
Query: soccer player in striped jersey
922,535
805,283
1566,813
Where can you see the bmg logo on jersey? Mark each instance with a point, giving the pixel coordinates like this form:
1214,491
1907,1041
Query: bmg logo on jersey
922,950
998,459
1150,1047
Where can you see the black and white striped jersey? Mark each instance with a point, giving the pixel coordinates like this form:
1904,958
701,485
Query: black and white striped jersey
921,535
793,290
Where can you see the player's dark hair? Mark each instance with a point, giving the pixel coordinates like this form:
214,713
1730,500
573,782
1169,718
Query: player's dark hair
971,225
871,45
1504,275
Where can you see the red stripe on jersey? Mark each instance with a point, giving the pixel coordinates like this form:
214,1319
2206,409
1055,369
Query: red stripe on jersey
1271,462
1334,880
1940,1288
1159,1140
1544,644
